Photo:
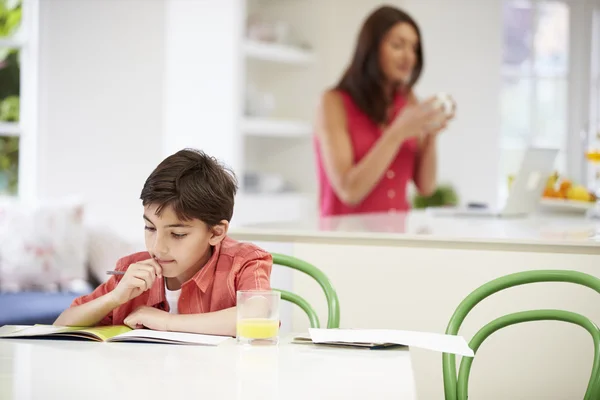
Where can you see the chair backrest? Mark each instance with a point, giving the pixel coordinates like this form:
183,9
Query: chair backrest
333,305
457,387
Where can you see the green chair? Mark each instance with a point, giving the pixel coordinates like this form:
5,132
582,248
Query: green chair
333,305
456,388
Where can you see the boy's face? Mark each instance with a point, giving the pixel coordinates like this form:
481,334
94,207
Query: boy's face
180,247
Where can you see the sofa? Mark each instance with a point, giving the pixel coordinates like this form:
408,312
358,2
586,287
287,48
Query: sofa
33,307
28,306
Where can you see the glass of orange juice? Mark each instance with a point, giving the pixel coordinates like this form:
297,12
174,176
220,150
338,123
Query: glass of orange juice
258,316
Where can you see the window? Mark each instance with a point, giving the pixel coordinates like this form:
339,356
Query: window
595,87
535,80
594,131
17,89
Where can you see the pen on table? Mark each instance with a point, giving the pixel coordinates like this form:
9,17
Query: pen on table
115,272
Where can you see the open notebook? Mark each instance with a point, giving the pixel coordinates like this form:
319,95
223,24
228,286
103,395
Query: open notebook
387,338
108,334
307,339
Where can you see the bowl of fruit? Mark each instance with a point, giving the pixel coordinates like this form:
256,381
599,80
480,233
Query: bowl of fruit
562,194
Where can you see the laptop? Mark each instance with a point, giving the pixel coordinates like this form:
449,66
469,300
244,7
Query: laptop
525,192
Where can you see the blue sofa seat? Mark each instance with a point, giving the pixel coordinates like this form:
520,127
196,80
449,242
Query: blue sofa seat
29,308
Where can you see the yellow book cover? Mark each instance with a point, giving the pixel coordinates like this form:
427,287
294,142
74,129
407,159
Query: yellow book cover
99,334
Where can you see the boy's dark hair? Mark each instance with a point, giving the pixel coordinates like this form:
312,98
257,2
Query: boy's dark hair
196,185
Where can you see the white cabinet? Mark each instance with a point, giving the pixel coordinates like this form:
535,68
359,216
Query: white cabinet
210,65
278,53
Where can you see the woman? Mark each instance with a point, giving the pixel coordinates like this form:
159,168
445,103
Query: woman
373,136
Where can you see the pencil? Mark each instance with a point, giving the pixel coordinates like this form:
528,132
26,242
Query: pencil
115,272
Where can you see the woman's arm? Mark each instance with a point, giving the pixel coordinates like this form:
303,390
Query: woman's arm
352,182
425,177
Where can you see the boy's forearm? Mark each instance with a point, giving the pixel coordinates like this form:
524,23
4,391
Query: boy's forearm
88,314
221,322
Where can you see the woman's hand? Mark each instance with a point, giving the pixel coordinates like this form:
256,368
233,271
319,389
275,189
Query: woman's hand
423,120
433,130
419,119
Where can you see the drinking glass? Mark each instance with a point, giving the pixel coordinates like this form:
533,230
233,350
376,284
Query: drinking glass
258,316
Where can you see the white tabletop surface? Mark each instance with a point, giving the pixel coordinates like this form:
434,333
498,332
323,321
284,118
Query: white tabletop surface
41,369
554,230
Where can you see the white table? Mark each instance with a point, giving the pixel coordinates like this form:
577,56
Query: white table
40,369
410,272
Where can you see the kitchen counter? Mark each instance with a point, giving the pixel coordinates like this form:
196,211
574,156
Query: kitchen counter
423,228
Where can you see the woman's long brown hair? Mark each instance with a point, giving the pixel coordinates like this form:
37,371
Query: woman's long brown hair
364,80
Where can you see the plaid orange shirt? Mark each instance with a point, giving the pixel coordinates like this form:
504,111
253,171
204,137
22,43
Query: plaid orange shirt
233,266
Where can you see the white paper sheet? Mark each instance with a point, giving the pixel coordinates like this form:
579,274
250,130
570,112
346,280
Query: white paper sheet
20,330
425,340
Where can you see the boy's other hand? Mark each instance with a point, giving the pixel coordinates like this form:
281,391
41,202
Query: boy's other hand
138,278
148,317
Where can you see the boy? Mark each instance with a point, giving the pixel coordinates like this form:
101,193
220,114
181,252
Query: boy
188,278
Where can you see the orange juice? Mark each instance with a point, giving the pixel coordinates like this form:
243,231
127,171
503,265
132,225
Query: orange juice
257,328
593,156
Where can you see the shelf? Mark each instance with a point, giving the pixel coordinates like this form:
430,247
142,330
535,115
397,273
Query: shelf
275,128
254,208
273,197
277,53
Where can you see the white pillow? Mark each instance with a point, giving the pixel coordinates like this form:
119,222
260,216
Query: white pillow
42,246
106,247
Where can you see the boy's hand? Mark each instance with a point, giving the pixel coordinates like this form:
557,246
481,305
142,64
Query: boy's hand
148,317
138,278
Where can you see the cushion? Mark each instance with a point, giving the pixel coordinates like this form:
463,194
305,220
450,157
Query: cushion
106,247
42,246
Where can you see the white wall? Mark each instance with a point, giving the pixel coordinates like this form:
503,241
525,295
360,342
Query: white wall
101,103
463,49
202,77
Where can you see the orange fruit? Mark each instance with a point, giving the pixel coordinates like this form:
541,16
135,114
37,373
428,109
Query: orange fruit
564,187
551,193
